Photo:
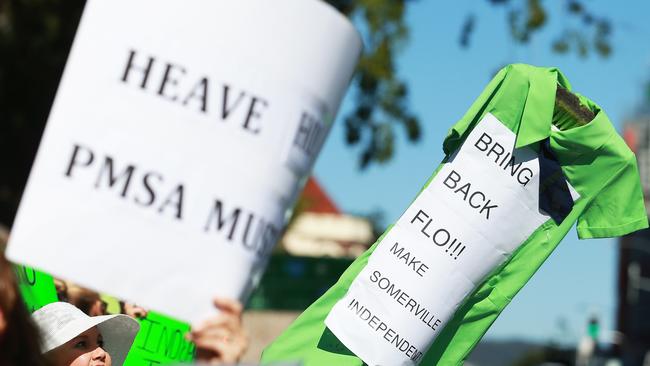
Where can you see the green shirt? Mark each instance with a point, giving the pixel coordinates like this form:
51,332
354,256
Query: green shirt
596,162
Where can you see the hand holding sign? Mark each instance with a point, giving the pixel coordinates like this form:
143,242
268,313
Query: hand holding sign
221,338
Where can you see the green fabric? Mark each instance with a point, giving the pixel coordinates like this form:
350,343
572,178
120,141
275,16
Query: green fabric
594,159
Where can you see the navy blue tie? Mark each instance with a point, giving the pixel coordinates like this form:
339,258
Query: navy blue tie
554,196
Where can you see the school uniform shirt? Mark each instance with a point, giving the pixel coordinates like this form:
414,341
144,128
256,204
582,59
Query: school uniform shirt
585,174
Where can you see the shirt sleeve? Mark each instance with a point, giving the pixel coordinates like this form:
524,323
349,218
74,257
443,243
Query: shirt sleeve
619,208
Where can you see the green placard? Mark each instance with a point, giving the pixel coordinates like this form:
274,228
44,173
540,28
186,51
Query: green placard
37,288
161,340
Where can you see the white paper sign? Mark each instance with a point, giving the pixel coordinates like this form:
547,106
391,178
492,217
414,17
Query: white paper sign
181,133
473,215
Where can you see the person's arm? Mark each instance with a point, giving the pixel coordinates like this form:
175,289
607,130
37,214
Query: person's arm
221,338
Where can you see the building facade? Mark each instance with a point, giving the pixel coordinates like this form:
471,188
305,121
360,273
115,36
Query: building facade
633,317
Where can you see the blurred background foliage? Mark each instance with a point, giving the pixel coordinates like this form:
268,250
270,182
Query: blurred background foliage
36,35
381,98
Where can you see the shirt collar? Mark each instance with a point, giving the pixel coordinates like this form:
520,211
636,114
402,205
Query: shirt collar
583,139
538,109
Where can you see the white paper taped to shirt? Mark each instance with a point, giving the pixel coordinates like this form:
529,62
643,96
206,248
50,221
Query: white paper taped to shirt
479,208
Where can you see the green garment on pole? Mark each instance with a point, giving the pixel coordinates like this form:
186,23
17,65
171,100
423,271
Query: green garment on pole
596,162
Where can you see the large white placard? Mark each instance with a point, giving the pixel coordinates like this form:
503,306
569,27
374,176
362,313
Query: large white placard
179,137
474,214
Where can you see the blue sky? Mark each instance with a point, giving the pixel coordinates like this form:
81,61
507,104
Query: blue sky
579,278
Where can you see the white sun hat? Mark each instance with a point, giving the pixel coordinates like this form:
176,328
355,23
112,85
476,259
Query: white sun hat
60,322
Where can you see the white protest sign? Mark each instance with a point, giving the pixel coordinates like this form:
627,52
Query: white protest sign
181,133
474,214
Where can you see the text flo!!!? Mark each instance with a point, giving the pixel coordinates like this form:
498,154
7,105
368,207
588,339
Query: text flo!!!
477,210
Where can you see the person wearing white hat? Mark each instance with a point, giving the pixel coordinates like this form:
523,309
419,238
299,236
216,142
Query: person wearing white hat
72,338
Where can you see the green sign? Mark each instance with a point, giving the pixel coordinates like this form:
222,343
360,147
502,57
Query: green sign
161,340
37,288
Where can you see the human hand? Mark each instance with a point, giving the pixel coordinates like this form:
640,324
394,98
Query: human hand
134,311
221,339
